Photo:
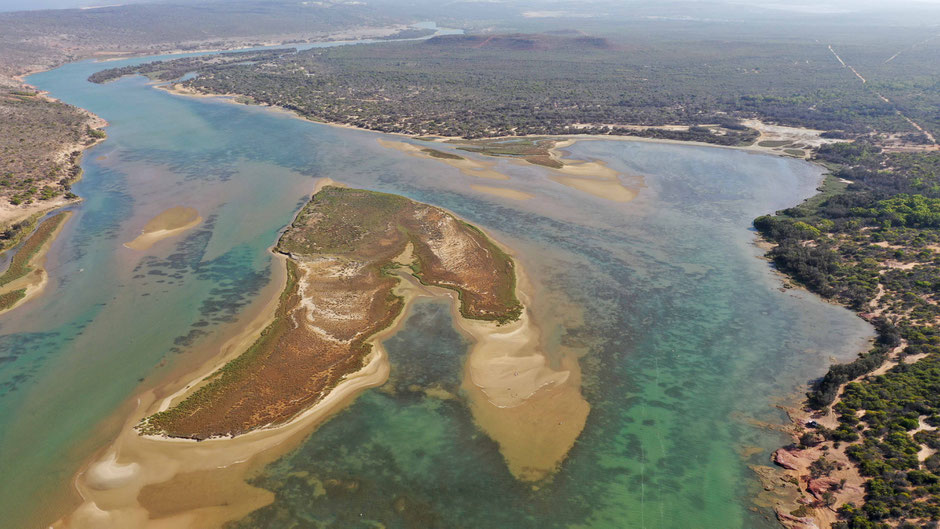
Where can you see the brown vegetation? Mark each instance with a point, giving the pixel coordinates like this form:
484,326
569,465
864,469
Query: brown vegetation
341,249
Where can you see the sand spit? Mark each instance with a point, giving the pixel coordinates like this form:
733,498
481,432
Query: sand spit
533,412
592,177
36,280
170,223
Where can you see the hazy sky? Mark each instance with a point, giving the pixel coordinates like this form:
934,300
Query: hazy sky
801,5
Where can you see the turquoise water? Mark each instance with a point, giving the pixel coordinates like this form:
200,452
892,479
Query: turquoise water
683,335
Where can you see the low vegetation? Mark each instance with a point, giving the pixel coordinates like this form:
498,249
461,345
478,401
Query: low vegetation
475,86
9,299
20,264
40,147
875,246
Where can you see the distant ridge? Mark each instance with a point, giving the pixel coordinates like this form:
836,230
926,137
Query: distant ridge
521,42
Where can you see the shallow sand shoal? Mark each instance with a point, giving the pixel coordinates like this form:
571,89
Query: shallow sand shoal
467,166
169,223
593,177
606,189
535,413
504,192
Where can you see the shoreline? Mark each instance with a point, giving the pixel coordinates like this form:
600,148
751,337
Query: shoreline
787,480
349,35
32,214
174,88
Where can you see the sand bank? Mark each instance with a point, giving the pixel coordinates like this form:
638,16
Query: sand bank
593,177
606,189
535,413
170,223
467,166
504,192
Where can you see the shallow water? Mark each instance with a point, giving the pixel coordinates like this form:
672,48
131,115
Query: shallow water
683,335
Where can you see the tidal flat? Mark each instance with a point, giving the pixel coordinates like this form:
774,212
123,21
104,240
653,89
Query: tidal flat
677,333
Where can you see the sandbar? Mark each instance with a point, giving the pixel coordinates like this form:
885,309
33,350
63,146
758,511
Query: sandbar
504,192
467,166
606,189
170,223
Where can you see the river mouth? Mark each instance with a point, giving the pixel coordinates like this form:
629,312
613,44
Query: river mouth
682,336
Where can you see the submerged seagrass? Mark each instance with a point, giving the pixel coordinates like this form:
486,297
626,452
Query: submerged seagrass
342,249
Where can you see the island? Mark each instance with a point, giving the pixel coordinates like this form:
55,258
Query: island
344,252
25,276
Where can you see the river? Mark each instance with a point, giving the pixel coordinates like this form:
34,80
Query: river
685,339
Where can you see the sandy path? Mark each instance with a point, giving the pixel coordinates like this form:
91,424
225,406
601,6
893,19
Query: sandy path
913,123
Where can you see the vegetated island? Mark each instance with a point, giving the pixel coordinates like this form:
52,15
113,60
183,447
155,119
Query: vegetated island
344,251
865,447
24,277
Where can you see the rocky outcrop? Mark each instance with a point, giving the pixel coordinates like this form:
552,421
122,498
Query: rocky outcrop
786,459
819,486
796,522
